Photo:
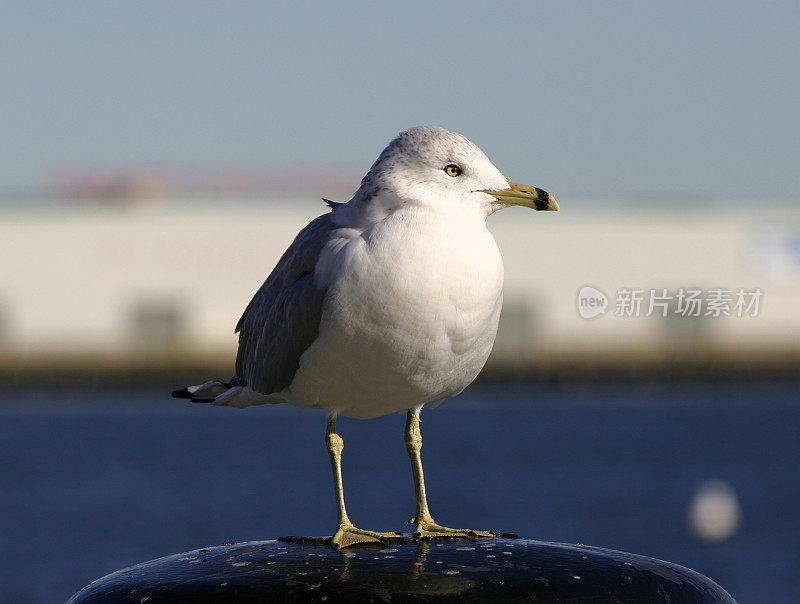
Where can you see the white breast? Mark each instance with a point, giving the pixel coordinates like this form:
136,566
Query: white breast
410,317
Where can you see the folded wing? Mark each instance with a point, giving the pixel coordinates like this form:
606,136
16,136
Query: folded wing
283,318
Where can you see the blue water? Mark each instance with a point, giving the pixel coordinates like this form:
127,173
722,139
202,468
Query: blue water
95,480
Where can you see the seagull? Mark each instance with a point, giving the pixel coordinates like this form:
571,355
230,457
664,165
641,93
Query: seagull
383,304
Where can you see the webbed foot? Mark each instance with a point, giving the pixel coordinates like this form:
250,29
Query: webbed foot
347,535
430,530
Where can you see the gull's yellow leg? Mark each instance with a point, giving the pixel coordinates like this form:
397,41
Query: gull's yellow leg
426,527
346,533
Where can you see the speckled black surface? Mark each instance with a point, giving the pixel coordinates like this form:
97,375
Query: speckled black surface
457,570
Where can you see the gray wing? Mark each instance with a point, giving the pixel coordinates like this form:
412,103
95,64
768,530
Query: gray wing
282,320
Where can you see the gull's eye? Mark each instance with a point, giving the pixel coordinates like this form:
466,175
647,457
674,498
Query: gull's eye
452,170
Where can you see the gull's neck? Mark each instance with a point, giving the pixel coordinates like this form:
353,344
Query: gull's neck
363,212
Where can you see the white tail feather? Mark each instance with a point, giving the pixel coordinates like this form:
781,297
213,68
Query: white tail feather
219,393
243,396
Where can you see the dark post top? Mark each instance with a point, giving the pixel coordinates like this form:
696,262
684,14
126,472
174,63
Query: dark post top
293,569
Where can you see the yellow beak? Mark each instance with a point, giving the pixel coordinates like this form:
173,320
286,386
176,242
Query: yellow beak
523,195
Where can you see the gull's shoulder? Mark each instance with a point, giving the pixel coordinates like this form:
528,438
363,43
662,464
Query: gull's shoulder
298,260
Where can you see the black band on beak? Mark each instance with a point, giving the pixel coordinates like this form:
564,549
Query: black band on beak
541,199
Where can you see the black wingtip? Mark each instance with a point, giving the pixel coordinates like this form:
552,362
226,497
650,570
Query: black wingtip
182,393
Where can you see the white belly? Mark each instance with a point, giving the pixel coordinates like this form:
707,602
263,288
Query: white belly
410,317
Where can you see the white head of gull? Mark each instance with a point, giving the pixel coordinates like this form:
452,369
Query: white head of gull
386,303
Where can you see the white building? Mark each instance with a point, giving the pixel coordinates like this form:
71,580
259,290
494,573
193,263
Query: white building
141,283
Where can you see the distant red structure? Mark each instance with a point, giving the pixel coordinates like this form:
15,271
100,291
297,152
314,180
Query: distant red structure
111,185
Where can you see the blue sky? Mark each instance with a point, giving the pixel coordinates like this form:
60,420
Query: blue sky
586,99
